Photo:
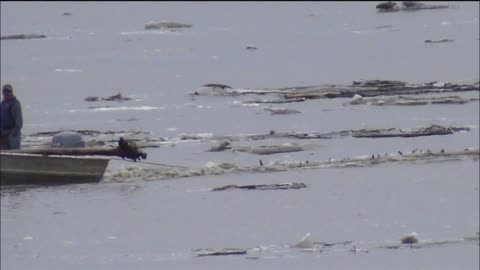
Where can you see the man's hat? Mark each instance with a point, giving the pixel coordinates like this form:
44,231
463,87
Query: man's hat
7,88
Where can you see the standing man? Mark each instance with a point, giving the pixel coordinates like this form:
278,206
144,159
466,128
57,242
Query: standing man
11,121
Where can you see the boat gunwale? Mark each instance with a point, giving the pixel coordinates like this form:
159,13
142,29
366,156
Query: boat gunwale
89,169
89,157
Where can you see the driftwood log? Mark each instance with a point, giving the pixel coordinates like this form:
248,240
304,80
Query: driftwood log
125,149
221,252
281,186
391,6
167,25
22,36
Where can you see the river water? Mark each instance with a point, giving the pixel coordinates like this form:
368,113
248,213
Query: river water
133,220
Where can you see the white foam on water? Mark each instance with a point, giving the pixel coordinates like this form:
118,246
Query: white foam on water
305,243
125,108
150,32
250,105
140,108
68,70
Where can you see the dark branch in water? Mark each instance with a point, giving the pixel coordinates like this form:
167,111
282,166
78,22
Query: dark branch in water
167,25
117,97
439,41
391,6
263,187
22,36
221,252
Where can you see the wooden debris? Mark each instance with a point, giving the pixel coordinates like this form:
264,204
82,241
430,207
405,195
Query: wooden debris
218,85
166,25
282,186
429,131
221,252
391,6
22,36
439,41
386,5
117,97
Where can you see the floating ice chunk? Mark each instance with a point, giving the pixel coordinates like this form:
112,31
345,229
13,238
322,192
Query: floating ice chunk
410,238
277,110
306,242
166,25
357,97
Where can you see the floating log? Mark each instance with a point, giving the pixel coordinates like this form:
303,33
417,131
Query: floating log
22,36
274,101
218,85
221,252
387,5
125,149
391,6
272,149
281,186
167,25
117,97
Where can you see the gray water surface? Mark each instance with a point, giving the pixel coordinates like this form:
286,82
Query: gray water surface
102,49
